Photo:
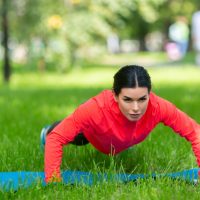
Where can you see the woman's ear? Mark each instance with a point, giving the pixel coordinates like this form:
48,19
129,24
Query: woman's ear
115,96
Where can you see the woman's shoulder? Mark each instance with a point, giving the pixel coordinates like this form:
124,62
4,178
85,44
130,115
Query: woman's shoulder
105,93
154,98
158,98
103,98
160,102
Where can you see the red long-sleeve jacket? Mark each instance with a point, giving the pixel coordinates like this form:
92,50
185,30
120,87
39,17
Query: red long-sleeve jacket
109,131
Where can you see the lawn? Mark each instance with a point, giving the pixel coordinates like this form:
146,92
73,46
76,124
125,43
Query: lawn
33,100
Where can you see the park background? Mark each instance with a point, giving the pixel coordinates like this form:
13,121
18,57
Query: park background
54,55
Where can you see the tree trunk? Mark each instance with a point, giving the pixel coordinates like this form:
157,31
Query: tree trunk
6,61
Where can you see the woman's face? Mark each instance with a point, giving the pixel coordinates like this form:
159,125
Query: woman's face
133,102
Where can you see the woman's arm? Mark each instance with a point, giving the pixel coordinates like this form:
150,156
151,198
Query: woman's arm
61,135
182,124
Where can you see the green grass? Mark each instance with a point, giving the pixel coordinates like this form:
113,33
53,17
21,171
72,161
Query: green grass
33,100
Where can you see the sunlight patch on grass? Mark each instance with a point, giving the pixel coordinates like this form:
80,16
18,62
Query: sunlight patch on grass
92,78
175,75
103,77
137,58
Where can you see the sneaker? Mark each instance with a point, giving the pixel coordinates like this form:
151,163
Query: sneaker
43,135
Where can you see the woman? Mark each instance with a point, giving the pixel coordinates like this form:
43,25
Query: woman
116,119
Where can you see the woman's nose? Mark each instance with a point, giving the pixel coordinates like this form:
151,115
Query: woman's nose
135,106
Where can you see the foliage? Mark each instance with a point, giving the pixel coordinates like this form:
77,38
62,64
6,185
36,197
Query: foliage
31,16
84,24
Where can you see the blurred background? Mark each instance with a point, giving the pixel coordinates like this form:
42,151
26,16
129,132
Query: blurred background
59,36
54,55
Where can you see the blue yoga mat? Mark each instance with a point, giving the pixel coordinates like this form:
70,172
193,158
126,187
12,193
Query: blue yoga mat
15,180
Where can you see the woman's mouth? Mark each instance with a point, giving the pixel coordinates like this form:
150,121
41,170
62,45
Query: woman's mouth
134,116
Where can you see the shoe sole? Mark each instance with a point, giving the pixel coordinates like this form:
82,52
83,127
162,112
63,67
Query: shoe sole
43,135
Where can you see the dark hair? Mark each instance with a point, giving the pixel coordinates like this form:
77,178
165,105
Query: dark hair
131,76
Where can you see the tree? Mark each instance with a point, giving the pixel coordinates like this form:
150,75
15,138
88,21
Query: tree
5,33
84,23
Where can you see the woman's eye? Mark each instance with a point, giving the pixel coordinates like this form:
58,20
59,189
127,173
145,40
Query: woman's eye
127,100
143,99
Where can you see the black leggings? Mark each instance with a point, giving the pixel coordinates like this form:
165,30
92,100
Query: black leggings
79,140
